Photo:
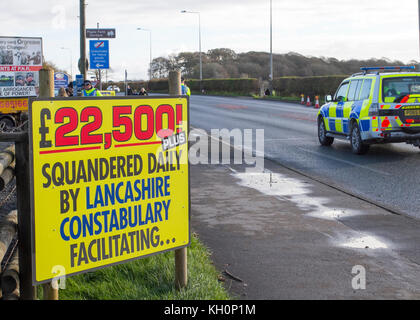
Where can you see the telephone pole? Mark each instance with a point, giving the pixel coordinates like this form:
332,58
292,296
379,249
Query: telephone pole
82,61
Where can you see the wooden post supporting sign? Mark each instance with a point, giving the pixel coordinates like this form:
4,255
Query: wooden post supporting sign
46,90
181,270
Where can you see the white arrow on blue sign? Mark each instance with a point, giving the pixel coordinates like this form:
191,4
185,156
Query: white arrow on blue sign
99,54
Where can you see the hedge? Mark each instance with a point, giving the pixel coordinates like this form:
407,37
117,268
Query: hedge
284,86
239,86
309,86
159,85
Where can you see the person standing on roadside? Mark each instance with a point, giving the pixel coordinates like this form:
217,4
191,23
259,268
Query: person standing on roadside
62,92
90,91
129,91
184,88
143,92
69,89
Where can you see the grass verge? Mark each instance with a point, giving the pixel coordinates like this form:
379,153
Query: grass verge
285,99
150,278
278,98
221,94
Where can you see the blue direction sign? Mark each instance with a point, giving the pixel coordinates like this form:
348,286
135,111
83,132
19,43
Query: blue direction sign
61,80
99,54
79,82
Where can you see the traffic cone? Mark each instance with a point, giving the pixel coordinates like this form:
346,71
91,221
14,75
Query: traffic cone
302,99
316,102
308,102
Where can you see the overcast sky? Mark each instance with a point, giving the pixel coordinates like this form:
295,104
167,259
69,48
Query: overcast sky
343,29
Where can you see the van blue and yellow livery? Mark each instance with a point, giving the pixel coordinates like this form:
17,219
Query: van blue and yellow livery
373,106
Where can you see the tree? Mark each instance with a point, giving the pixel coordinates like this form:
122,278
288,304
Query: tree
214,71
187,61
51,65
225,63
159,68
222,55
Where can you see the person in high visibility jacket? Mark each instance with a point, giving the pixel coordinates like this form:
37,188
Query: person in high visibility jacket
90,91
391,91
184,88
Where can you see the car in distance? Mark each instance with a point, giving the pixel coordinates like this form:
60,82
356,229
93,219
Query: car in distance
113,88
377,105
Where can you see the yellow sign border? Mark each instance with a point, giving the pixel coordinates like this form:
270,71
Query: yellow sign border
31,177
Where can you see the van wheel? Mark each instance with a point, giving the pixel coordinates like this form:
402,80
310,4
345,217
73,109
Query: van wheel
357,145
322,134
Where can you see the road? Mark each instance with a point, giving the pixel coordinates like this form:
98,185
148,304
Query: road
290,232
387,175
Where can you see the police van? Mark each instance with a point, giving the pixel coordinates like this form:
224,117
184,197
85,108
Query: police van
377,105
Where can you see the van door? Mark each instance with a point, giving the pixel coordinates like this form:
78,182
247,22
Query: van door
360,110
352,100
334,123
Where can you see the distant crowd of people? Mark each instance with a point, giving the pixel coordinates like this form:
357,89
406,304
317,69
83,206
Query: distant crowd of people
87,91
90,91
131,92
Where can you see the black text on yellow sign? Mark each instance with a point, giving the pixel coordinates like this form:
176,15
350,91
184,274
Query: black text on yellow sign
110,181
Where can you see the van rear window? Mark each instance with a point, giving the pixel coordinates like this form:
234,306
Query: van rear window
399,86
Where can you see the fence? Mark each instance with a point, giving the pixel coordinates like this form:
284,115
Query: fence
309,86
15,227
16,272
9,257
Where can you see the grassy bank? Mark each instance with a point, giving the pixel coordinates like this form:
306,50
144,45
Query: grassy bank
278,98
221,93
150,278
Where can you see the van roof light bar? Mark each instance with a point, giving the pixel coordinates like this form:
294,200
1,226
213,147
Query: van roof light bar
367,69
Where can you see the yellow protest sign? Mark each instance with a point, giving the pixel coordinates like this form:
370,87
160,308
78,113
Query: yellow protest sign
108,93
110,181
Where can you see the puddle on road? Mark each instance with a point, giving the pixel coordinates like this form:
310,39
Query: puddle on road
294,190
301,194
365,243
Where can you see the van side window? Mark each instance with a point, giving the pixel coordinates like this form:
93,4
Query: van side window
354,90
365,93
359,87
341,92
